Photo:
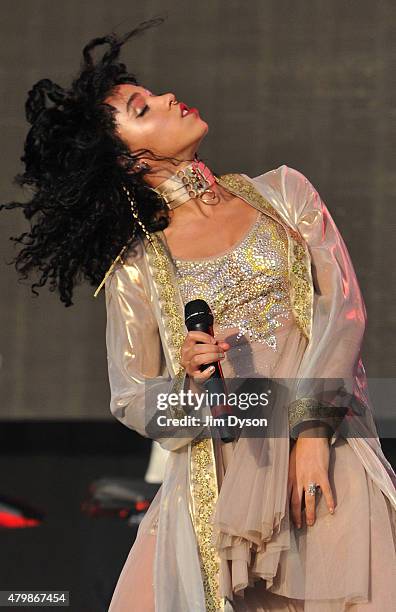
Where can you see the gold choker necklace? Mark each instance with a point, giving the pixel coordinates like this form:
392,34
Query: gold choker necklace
193,181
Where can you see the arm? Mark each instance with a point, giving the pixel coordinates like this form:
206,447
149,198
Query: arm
135,360
331,357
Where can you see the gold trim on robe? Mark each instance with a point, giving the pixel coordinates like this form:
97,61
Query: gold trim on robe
202,465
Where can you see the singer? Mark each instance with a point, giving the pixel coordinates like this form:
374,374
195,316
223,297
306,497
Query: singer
303,521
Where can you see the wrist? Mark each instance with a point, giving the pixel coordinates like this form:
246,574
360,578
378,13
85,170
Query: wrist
312,430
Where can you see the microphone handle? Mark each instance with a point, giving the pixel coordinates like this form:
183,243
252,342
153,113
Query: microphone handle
216,384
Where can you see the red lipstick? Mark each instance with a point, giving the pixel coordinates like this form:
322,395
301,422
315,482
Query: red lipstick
184,107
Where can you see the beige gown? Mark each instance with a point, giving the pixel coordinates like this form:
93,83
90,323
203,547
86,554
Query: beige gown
343,562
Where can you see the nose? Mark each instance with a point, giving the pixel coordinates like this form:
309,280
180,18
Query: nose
170,99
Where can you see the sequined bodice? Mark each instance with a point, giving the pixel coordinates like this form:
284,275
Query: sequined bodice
246,286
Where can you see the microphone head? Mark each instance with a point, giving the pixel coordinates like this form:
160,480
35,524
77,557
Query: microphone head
198,315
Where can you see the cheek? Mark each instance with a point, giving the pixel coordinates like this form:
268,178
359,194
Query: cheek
161,130
153,133
160,125
130,134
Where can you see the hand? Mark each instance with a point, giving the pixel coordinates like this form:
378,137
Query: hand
199,348
309,462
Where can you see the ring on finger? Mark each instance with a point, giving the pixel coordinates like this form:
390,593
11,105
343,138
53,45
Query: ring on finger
312,488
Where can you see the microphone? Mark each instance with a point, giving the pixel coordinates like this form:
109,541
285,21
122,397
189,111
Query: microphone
198,317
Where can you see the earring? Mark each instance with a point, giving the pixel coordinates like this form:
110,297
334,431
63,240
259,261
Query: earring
142,166
136,217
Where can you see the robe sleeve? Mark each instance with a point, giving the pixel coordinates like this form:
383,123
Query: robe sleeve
324,384
135,361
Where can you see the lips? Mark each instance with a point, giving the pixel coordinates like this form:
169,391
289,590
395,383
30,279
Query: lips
184,108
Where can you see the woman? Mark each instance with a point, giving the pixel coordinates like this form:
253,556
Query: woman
302,521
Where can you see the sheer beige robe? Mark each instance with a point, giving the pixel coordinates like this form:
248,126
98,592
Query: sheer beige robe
141,362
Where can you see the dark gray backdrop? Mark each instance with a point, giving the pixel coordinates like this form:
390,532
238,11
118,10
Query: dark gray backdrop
309,84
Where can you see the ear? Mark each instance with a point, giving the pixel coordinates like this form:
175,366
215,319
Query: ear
141,165
125,162
133,166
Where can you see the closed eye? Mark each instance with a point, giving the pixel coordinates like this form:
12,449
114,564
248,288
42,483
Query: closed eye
144,110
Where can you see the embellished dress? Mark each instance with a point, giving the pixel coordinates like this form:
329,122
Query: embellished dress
345,561
247,290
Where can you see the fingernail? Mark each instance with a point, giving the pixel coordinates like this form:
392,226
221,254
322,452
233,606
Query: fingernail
299,526
331,510
211,369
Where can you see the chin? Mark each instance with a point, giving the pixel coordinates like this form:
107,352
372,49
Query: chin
204,129
206,126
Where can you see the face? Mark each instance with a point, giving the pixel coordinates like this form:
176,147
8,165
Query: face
148,121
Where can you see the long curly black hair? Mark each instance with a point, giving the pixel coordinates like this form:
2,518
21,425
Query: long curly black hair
80,217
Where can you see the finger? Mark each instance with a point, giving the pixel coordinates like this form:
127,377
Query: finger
328,494
296,506
310,502
199,354
193,337
205,358
224,345
200,377
200,349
